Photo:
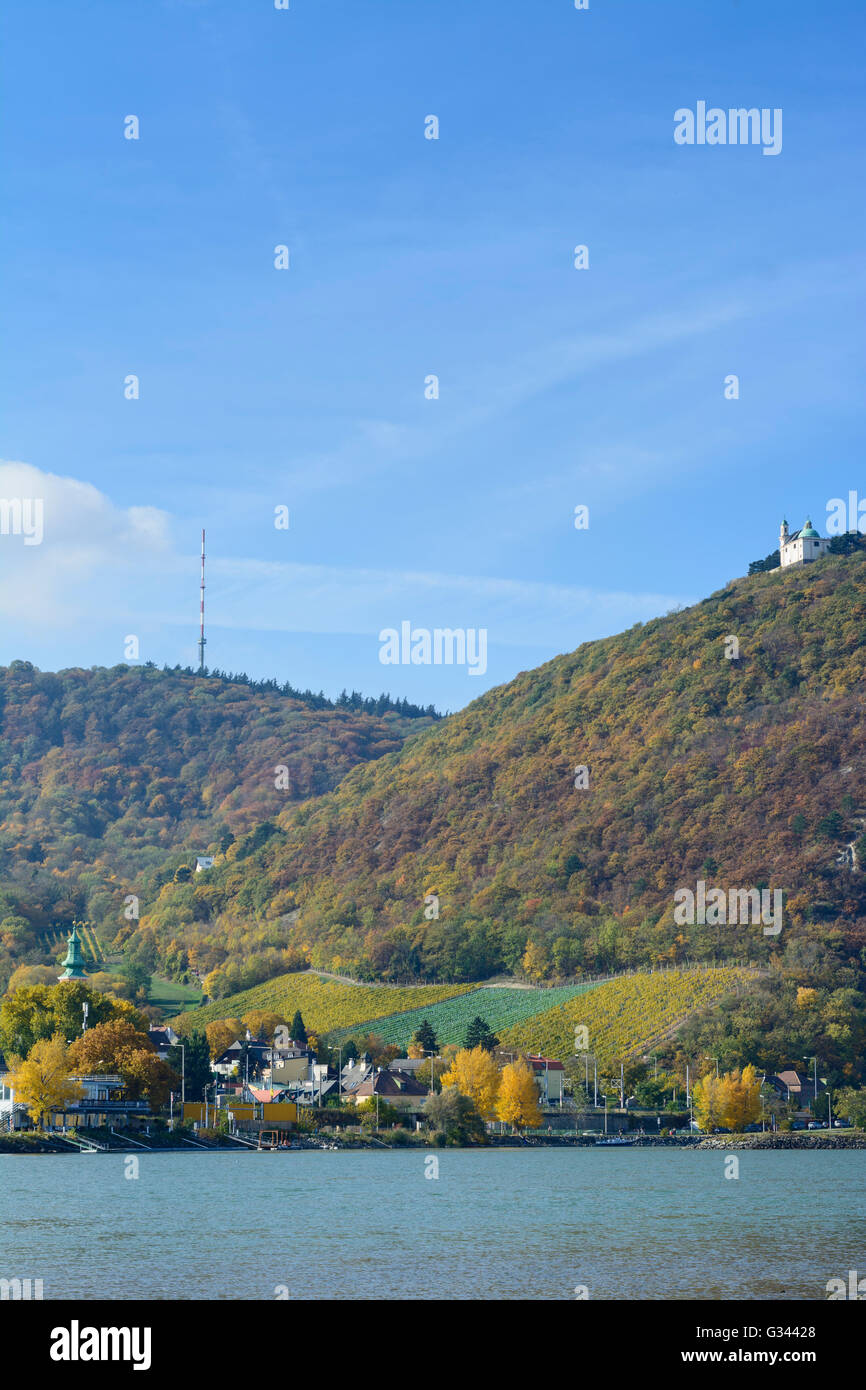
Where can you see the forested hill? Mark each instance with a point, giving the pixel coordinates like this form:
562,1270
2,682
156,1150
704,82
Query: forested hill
742,772
111,779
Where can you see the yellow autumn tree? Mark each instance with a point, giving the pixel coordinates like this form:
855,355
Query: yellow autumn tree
262,1023
536,961
517,1104
739,1099
475,1074
707,1099
222,1033
43,1082
415,1050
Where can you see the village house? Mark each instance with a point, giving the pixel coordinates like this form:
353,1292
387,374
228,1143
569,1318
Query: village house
274,1064
101,1104
550,1078
399,1089
354,1073
791,1086
162,1038
411,1065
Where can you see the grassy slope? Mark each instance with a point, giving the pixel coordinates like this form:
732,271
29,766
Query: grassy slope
168,995
325,1004
625,1017
501,1008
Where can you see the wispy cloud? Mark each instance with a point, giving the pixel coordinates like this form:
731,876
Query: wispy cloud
101,561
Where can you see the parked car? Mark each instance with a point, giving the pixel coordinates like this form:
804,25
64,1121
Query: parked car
817,1124
799,1124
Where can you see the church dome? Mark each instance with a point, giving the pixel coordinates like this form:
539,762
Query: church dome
809,533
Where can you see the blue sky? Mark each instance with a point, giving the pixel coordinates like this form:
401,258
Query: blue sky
411,257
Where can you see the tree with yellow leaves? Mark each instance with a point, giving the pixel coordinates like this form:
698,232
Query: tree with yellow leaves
475,1074
536,962
730,1102
740,1098
43,1082
262,1023
221,1034
707,1099
517,1104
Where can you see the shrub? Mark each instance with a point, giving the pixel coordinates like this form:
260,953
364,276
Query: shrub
398,1138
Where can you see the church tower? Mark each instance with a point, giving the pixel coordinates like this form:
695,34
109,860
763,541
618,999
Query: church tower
74,961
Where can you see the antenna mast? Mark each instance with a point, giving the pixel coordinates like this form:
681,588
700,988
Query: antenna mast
201,639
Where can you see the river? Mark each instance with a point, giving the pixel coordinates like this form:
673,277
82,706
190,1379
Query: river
494,1224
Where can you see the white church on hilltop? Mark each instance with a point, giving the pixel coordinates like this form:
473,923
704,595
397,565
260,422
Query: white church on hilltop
799,547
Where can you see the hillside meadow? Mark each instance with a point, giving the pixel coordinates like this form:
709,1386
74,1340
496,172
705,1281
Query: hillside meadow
500,1006
625,1018
324,1004
622,1017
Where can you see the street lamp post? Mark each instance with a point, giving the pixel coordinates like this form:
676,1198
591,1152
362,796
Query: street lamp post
814,1060
182,1073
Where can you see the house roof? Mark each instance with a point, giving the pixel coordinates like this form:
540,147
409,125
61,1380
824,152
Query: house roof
255,1049
386,1083
545,1063
353,1077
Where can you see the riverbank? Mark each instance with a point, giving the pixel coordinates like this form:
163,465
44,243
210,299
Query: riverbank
52,1144
854,1139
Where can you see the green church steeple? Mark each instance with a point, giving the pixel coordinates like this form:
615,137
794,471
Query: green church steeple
74,961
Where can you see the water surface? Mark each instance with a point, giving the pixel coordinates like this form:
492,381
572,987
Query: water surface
495,1224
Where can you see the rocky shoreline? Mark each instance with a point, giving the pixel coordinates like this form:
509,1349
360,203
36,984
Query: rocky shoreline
816,1140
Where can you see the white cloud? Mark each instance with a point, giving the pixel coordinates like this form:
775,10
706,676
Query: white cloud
86,539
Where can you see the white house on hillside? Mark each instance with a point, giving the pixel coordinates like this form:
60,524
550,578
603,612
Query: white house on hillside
800,547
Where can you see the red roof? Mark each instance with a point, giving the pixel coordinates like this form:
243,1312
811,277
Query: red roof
546,1063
